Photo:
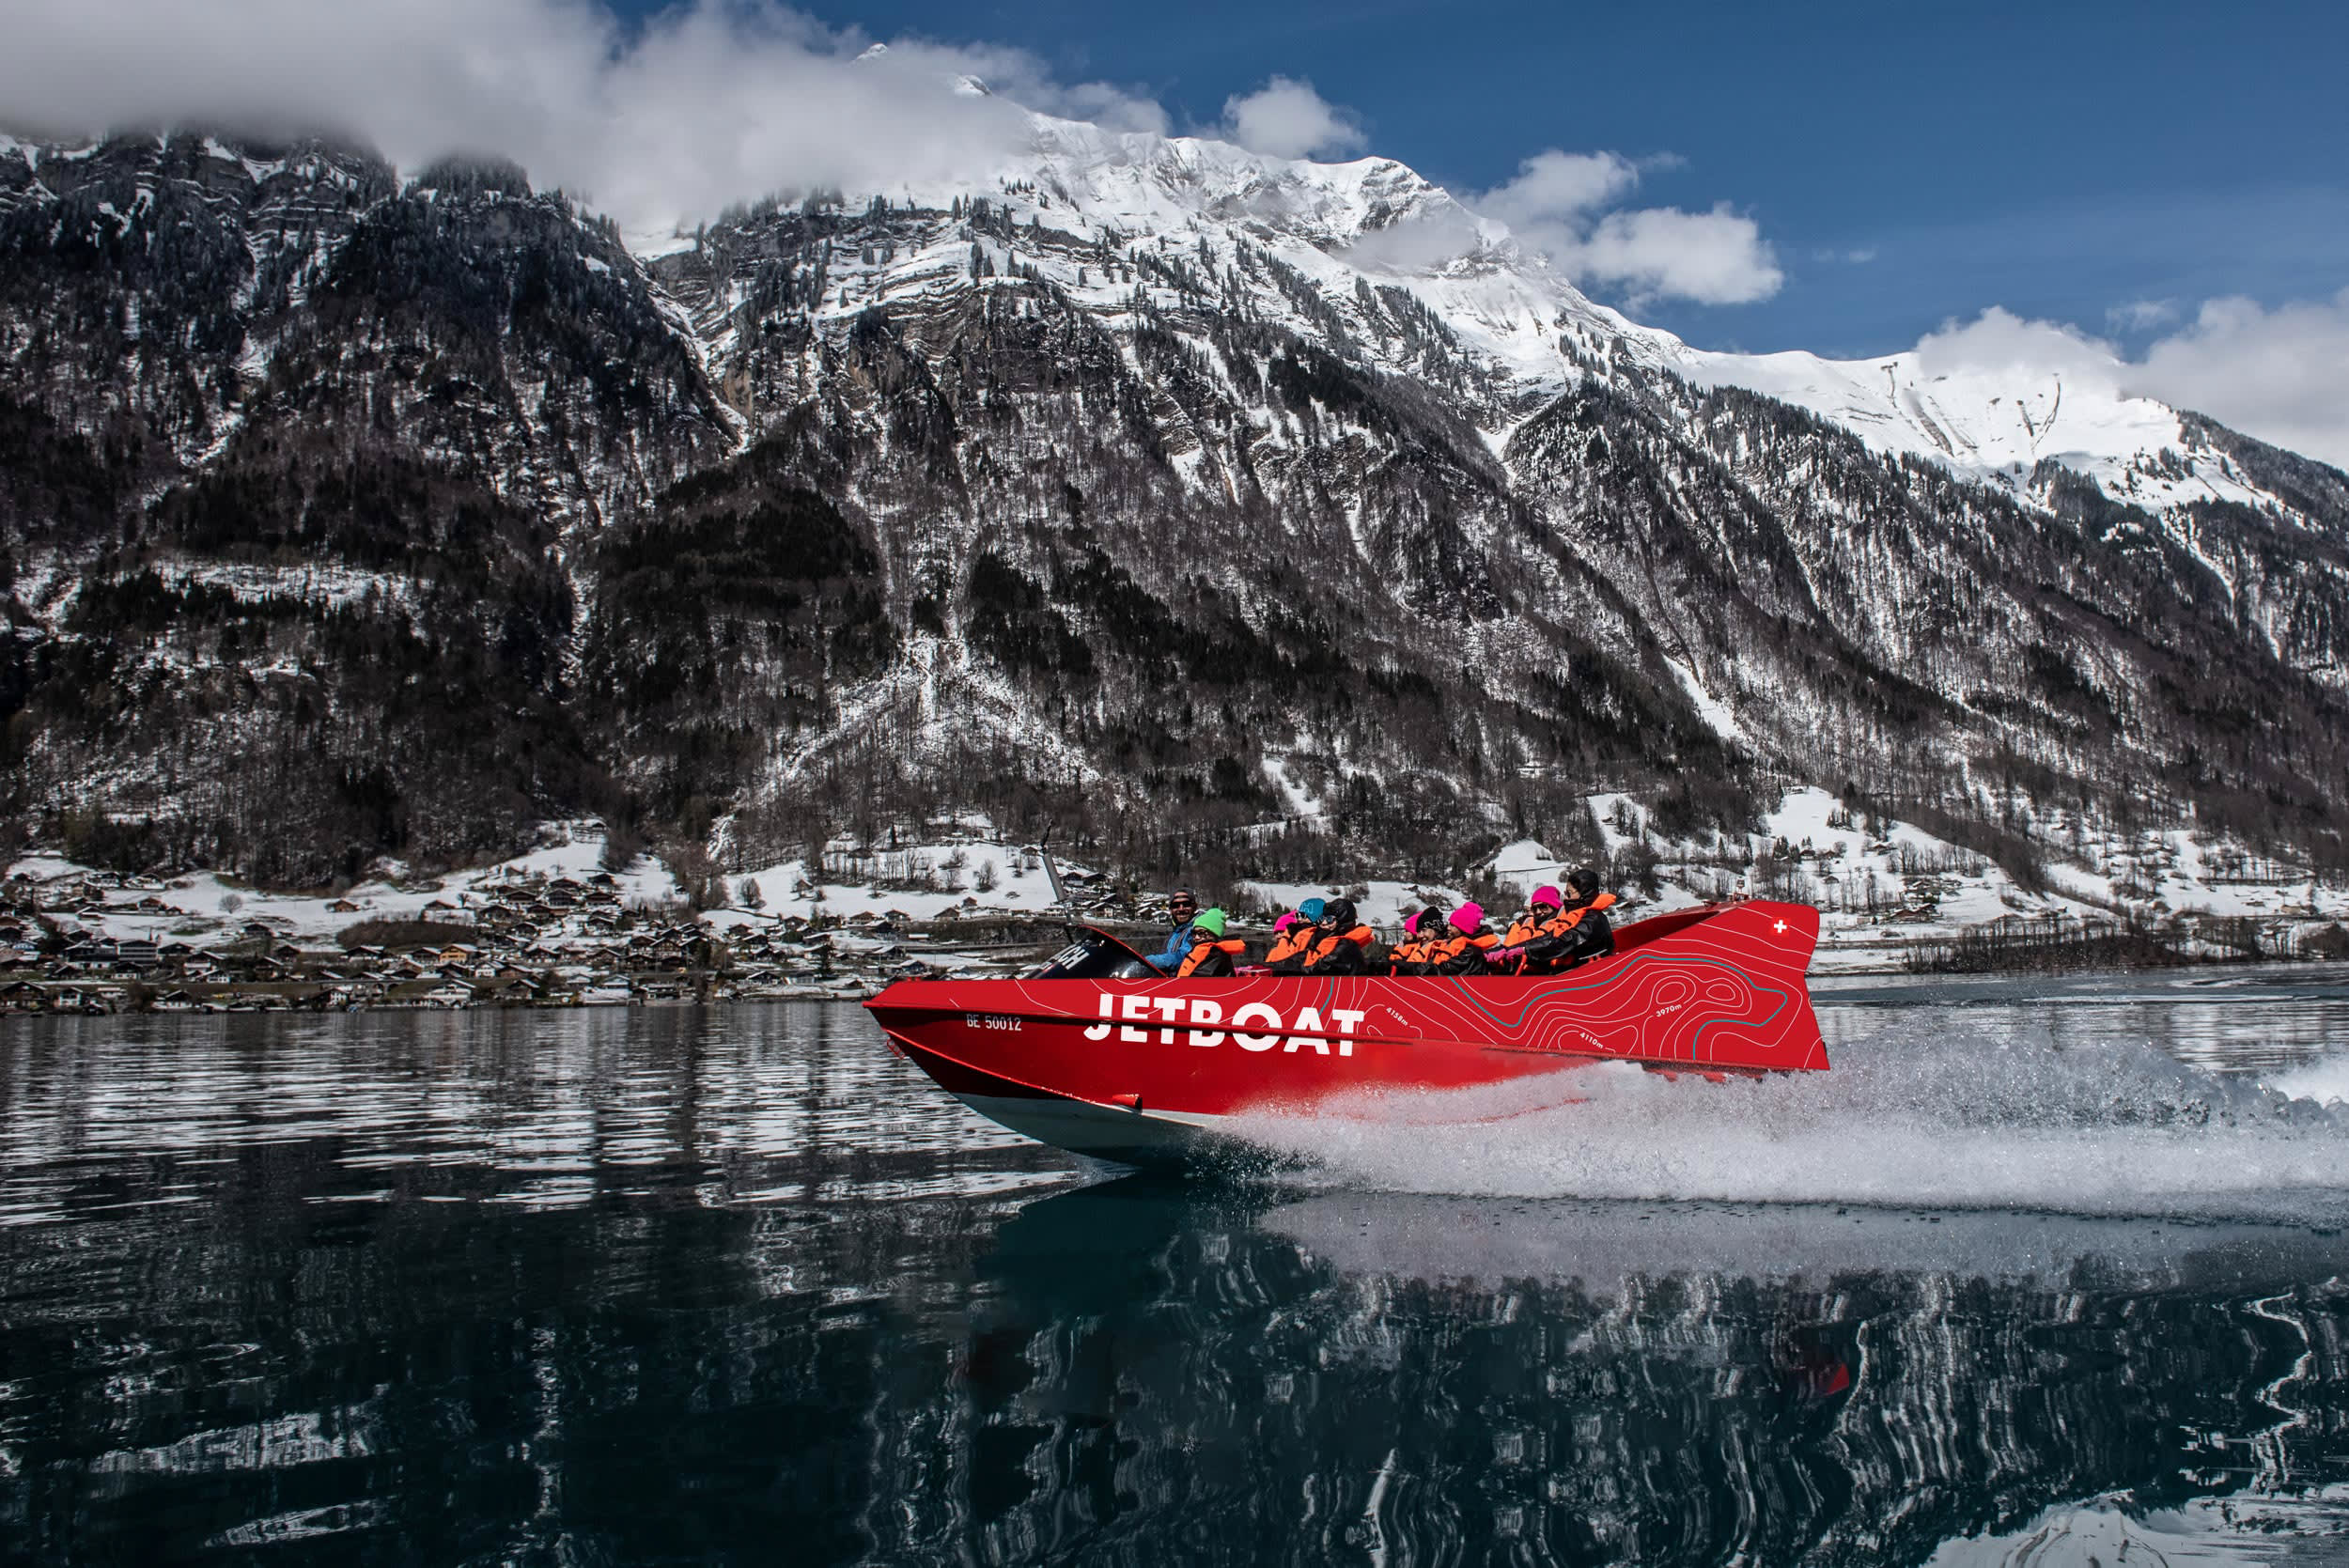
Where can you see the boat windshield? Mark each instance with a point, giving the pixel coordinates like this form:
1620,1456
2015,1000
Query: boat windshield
1097,956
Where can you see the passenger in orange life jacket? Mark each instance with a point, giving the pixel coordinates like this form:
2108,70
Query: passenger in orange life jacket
1211,957
1582,930
1341,944
1290,942
1469,949
1540,914
1284,937
1409,955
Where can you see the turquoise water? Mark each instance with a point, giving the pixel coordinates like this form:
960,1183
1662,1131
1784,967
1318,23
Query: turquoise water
2031,1276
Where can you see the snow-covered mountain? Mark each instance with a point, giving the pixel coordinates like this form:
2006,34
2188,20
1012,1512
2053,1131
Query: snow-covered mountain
1996,423
1374,219
1151,487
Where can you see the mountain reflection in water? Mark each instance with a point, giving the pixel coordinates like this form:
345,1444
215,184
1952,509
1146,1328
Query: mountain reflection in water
738,1287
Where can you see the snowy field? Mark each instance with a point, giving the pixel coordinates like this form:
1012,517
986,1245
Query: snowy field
202,906
1881,890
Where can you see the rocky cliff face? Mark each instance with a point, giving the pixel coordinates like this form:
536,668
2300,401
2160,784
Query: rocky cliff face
1156,490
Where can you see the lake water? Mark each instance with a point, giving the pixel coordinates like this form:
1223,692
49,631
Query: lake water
2041,1273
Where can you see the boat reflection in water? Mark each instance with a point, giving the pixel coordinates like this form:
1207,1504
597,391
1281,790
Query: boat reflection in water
738,1287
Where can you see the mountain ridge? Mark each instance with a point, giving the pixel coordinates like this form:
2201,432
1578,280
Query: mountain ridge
832,514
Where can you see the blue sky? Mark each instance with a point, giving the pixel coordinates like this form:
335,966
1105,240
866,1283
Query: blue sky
2061,160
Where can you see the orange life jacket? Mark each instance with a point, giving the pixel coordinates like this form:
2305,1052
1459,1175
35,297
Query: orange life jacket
1289,943
1457,945
1411,949
1571,917
1525,930
1198,955
1361,936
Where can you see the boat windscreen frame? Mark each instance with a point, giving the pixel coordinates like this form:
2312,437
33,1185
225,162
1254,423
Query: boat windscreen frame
1093,954
1670,922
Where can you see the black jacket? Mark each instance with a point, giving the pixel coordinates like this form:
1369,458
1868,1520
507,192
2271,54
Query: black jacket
1347,958
1592,936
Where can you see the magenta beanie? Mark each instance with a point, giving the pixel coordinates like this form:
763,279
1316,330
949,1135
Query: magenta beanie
1285,922
1467,918
1549,896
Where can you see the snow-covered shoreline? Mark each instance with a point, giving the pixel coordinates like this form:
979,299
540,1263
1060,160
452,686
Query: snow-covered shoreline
556,925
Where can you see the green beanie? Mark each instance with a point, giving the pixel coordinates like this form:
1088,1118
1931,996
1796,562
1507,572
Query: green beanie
1209,921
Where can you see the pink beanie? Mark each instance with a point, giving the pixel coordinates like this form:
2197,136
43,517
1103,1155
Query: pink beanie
1285,922
1412,925
1549,896
1467,918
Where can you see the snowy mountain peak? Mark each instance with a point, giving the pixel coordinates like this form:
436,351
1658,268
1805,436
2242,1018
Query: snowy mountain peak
1374,222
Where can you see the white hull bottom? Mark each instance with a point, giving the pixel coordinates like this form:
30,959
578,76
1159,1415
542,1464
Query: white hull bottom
1103,1132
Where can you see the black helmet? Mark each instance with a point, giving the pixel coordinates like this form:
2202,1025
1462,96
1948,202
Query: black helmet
1584,881
1340,913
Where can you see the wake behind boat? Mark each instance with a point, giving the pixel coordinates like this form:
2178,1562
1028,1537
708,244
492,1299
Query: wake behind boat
1101,1054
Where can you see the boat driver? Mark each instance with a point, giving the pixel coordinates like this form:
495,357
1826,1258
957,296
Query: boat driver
1182,908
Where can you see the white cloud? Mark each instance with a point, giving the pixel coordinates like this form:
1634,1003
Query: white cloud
714,102
2000,340
1556,187
1558,205
1425,240
2281,375
2141,315
1285,118
1714,258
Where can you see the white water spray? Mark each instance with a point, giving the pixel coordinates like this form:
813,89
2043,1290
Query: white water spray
1924,1114
2325,1082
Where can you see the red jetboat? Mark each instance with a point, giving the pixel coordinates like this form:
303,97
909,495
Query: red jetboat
1101,1054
